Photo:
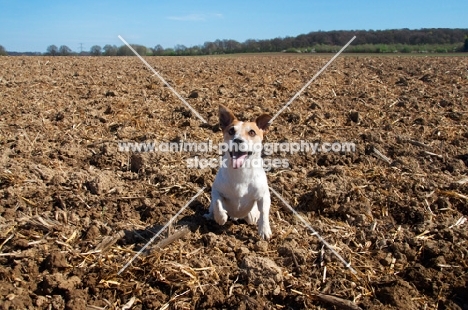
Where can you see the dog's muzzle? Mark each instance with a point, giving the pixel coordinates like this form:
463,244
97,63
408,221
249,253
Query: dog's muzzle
238,153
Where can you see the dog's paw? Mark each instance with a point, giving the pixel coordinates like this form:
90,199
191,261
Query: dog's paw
221,216
264,231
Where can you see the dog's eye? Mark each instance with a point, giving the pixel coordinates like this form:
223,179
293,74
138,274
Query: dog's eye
232,131
252,133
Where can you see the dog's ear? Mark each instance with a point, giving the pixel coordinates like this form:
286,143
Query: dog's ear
226,117
263,122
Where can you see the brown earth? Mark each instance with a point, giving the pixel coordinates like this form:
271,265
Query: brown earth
74,209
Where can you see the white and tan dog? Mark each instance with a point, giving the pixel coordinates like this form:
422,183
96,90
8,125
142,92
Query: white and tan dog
240,189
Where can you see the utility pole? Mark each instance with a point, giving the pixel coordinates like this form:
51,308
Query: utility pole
81,48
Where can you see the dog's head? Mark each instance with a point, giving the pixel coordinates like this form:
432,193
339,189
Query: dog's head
244,139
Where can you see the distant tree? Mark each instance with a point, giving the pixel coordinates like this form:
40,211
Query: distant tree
465,46
301,41
194,50
52,50
219,46
169,52
3,51
140,49
64,50
95,50
251,46
209,48
180,49
158,50
266,46
232,46
277,44
125,51
110,50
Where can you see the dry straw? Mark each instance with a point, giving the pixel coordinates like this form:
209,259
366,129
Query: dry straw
347,264
311,80
160,231
163,80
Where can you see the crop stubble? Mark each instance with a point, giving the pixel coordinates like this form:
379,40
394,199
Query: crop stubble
74,209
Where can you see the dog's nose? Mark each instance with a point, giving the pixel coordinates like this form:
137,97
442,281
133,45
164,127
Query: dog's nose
237,140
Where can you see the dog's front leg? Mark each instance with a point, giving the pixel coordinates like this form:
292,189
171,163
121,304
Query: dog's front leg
264,229
217,211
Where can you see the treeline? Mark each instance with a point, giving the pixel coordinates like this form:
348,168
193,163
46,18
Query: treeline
437,40
3,51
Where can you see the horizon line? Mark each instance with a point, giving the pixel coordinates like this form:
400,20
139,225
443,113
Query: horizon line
292,36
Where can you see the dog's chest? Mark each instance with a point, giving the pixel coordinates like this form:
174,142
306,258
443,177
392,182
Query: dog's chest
241,191
238,200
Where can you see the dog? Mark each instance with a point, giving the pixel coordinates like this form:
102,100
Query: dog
240,189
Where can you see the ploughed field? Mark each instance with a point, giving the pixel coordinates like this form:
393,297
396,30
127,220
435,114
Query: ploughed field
75,208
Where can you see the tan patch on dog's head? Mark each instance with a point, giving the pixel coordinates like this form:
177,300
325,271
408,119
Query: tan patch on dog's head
231,126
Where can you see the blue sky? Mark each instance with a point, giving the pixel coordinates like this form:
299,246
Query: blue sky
34,25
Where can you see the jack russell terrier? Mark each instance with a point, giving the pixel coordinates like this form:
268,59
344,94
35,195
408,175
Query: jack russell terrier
240,189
